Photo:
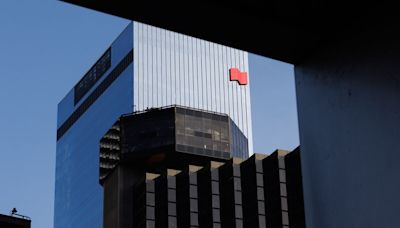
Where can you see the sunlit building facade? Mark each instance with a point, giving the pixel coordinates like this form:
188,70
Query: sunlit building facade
144,68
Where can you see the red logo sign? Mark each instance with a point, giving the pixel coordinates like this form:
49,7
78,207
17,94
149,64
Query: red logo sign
236,75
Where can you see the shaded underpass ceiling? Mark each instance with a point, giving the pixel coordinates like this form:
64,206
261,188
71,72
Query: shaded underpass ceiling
285,30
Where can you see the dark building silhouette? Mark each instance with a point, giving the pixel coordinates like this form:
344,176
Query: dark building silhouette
7,221
175,167
175,133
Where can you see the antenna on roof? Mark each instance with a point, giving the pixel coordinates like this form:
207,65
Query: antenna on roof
14,214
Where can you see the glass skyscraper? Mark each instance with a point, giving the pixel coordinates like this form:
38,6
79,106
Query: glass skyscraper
145,67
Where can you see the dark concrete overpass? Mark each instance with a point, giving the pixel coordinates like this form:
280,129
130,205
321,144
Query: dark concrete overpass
283,30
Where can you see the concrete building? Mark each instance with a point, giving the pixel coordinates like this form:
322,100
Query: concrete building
156,171
144,68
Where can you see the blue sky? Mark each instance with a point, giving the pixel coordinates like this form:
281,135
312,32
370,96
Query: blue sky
45,47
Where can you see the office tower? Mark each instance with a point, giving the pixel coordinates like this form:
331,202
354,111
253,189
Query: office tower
144,68
157,172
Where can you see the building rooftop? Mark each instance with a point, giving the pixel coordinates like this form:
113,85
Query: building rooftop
7,221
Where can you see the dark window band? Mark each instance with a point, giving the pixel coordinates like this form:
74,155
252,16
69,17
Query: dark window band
201,151
92,76
125,62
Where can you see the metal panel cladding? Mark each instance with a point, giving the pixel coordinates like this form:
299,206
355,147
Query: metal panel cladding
175,69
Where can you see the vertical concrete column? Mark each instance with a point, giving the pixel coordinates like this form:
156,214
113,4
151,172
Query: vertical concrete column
294,185
194,195
183,200
250,192
216,192
227,199
237,192
172,197
348,97
275,190
204,197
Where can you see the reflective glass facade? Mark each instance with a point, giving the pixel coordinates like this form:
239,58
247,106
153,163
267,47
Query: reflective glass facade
208,134
145,67
174,69
78,196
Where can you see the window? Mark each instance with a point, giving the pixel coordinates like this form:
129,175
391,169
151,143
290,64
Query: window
92,76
